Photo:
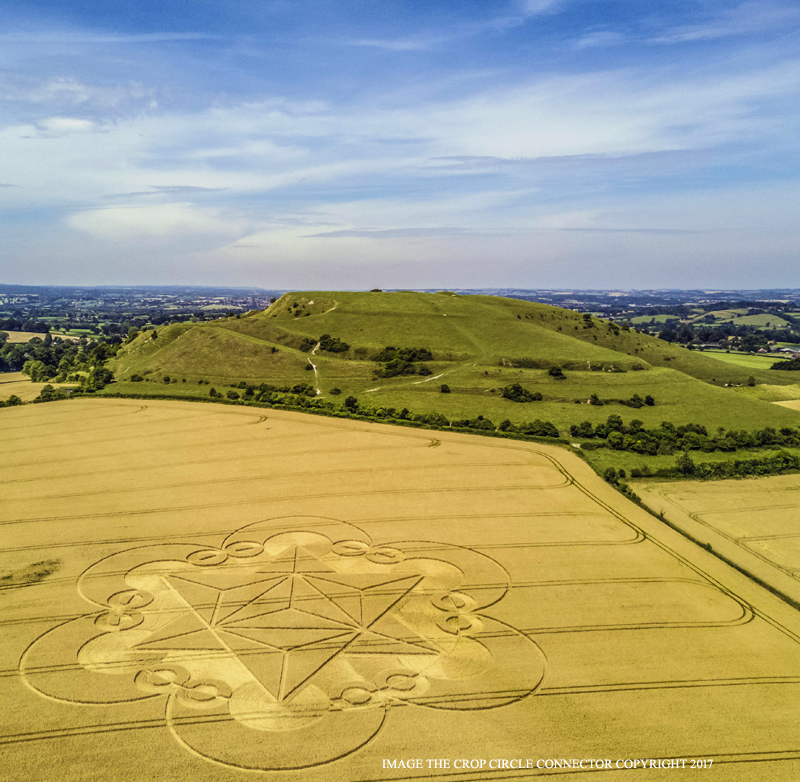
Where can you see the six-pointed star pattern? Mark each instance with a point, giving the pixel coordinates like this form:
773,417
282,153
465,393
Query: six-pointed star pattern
287,618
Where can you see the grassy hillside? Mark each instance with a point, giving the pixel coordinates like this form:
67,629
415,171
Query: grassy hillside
479,345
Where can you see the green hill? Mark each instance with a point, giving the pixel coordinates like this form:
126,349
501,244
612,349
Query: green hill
478,346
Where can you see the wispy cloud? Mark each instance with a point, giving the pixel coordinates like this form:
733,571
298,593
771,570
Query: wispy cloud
53,127
656,231
185,191
391,233
600,38
518,14
86,37
755,16
487,162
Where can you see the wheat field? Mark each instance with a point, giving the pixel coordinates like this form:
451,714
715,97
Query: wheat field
203,592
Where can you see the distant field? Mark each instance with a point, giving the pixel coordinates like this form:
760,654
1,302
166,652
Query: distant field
17,384
74,333
723,315
22,336
644,319
201,590
754,522
769,393
755,361
764,319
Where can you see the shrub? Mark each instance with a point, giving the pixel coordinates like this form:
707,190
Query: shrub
555,372
444,388
335,391
304,389
539,428
516,393
332,344
136,378
232,395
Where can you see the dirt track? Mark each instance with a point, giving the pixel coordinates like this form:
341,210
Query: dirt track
204,592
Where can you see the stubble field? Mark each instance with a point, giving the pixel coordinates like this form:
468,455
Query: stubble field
214,593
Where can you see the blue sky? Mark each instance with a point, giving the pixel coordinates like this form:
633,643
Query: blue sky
402,143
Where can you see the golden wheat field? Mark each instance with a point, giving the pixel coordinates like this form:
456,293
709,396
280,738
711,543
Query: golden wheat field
754,522
201,592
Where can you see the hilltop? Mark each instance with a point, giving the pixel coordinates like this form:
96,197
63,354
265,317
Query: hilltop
475,345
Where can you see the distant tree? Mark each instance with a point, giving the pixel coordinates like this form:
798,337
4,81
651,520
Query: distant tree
351,403
583,429
595,400
136,378
444,388
684,464
555,372
792,365
232,395
649,401
335,391
50,394
3,337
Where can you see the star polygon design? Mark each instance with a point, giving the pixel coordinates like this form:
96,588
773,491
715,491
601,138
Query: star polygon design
286,619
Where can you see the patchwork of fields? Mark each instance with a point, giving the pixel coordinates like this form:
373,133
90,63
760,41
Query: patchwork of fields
200,592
